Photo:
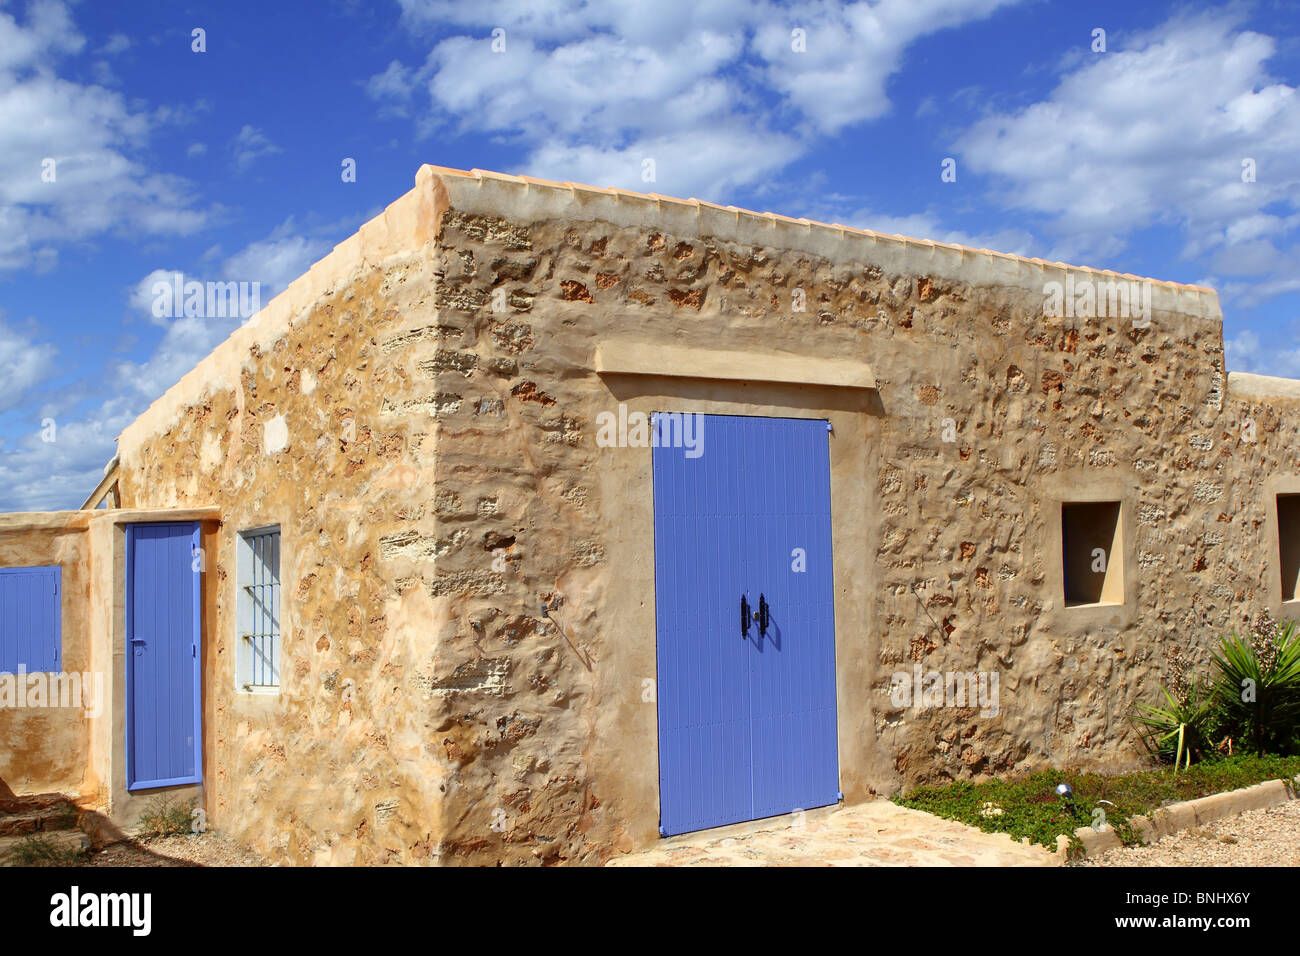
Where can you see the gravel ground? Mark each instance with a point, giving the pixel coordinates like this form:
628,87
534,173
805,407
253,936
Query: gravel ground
206,850
1268,837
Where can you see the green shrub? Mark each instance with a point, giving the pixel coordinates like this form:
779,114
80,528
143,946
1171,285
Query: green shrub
1256,688
166,817
1251,701
39,850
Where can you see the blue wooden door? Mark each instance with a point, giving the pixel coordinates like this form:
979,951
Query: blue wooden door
746,707
162,655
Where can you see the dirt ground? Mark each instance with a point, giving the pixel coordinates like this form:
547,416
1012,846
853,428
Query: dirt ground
207,849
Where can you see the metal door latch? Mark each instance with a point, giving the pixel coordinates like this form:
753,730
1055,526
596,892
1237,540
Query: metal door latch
761,617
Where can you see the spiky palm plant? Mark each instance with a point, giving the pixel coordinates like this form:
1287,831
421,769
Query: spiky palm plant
1180,729
1256,688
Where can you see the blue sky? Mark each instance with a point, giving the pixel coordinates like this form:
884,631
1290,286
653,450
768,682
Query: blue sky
225,164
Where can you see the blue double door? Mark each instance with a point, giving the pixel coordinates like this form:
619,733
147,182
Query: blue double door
163,594
745,627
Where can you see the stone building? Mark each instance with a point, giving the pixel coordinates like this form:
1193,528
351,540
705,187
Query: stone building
536,520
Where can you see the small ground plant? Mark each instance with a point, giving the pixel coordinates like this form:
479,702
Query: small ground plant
165,816
1028,806
39,850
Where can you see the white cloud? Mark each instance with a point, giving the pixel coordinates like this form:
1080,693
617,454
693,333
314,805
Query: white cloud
141,296
48,31
599,84
699,164
251,144
185,342
276,260
117,43
35,474
543,19
850,51
23,364
272,263
91,135
591,90
1245,353
393,85
1155,133
1247,295
1241,353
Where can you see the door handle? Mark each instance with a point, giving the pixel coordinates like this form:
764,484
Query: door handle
763,618
138,640
744,618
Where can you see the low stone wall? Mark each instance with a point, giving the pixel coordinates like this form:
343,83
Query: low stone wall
1185,815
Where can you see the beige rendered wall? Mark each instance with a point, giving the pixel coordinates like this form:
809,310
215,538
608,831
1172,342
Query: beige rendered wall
432,463
80,751
45,749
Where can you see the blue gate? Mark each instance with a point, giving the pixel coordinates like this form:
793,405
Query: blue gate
163,736
744,604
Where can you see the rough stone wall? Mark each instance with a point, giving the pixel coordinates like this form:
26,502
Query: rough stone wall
1043,410
1254,451
440,483
306,434
1045,413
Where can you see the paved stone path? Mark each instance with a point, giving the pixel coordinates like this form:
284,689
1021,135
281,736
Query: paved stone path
878,833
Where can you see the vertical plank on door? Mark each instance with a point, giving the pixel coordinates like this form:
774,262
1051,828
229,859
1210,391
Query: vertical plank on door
796,753
702,680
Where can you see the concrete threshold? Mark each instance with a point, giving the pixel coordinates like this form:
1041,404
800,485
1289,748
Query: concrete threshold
784,821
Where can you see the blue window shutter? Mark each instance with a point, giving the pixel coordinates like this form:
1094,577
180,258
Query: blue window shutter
31,629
